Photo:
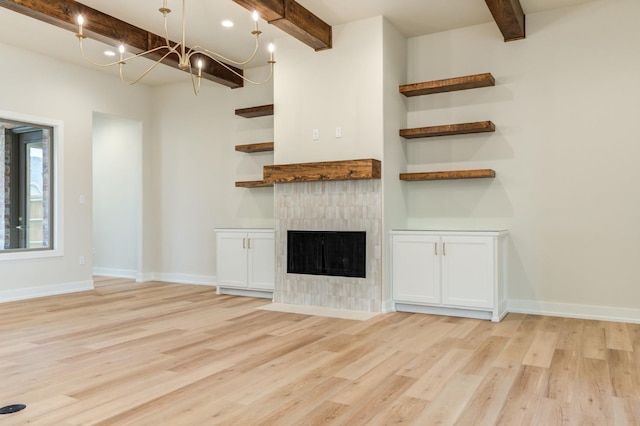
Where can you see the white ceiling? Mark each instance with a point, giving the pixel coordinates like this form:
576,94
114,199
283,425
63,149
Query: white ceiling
204,17
420,17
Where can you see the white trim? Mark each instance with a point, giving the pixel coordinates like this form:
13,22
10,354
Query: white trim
443,310
44,291
57,189
115,273
265,230
140,203
263,294
31,254
388,306
570,310
145,277
208,280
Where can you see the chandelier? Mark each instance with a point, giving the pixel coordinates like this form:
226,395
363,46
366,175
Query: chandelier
188,58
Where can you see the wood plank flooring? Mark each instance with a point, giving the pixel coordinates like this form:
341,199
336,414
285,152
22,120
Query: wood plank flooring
167,354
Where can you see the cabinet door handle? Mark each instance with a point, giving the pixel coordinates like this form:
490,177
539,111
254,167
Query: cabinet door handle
435,248
249,243
244,243
444,249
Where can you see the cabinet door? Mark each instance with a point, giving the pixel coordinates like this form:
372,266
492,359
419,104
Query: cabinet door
468,271
261,260
231,259
416,273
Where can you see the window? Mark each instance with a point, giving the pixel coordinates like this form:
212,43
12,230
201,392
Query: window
27,183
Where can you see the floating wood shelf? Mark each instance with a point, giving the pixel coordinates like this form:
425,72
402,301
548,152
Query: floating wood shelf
253,184
328,170
448,85
448,129
454,174
257,111
255,147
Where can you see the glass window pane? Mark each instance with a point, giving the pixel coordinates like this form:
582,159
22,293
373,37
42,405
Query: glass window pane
25,186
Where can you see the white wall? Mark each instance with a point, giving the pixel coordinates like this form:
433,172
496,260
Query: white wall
43,87
196,170
394,193
117,167
323,90
566,104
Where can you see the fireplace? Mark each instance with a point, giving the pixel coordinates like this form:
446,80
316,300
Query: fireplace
334,253
344,206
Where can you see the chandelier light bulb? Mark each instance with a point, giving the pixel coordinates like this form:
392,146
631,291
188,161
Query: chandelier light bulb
272,49
121,50
255,17
80,20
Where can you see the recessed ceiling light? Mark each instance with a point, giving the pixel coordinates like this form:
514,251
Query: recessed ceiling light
109,53
227,23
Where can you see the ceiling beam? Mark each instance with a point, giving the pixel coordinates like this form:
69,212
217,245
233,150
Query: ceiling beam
510,18
269,10
294,19
107,29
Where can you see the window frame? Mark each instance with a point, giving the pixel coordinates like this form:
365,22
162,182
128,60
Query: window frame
56,188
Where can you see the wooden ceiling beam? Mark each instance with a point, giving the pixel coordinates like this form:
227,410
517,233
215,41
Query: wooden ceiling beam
107,29
294,19
510,18
269,10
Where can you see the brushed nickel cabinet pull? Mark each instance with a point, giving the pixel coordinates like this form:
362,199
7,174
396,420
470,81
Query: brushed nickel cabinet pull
435,248
249,243
444,249
244,243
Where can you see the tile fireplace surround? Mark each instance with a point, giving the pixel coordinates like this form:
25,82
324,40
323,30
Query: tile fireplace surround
345,205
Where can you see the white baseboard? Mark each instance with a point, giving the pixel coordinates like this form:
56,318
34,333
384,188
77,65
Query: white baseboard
439,310
115,273
44,291
262,294
603,313
207,280
388,306
145,277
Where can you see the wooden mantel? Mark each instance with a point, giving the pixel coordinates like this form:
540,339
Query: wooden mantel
321,171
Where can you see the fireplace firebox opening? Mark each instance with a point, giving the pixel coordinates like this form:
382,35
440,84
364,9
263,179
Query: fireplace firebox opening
334,253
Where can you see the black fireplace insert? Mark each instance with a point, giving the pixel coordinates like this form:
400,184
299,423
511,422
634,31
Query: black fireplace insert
335,253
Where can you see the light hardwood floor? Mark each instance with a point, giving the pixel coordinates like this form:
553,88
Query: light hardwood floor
166,354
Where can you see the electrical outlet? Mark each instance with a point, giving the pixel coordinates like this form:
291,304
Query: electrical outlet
81,260
315,134
338,132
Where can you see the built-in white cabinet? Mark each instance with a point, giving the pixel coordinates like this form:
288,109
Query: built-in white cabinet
245,262
450,272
